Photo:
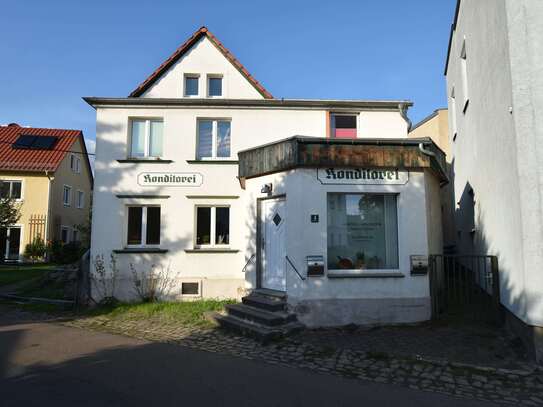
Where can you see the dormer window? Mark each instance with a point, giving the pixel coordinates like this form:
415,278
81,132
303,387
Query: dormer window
214,85
191,85
343,125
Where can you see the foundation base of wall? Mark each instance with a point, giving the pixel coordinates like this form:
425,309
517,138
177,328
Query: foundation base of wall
362,311
531,336
210,288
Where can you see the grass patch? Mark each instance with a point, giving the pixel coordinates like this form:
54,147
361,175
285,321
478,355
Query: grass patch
36,288
14,274
188,313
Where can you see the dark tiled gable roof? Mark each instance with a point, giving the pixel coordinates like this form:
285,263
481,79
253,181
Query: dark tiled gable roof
182,50
16,159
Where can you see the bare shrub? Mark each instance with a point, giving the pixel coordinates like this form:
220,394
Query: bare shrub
153,285
104,279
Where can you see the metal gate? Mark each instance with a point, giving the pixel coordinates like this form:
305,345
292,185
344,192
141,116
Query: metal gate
466,287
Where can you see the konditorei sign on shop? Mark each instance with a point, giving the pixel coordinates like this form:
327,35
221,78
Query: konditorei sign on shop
368,176
170,179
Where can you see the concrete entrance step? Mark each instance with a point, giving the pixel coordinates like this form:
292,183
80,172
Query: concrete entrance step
260,332
265,302
259,315
272,294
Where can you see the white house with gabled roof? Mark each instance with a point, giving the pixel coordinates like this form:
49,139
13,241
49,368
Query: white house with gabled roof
170,192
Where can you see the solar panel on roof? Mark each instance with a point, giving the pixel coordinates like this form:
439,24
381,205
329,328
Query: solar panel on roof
26,141
44,142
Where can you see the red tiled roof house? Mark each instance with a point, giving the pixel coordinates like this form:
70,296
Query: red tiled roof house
48,172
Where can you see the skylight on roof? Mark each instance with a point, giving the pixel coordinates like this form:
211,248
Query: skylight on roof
26,141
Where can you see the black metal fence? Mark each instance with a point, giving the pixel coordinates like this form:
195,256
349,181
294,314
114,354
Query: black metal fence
467,287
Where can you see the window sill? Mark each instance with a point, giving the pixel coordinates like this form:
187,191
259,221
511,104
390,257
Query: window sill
145,160
210,250
364,274
232,162
142,196
140,250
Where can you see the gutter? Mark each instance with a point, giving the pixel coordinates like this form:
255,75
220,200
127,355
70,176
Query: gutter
393,105
403,112
432,154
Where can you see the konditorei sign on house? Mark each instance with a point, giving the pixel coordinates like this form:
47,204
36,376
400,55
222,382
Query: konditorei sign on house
367,176
170,179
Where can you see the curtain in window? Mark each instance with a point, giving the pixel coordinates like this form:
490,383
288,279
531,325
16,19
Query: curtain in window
205,139
138,138
155,142
223,139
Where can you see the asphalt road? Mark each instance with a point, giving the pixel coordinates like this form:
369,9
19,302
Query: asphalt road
46,364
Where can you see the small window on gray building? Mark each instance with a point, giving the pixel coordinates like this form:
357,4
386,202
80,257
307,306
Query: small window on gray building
464,73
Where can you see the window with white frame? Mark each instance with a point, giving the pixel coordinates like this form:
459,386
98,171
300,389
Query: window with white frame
362,231
213,139
75,163
146,138
80,199
143,226
212,226
214,85
65,234
191,85
11,189
67,195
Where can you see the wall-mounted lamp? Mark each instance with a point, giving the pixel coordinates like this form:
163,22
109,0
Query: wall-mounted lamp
267,188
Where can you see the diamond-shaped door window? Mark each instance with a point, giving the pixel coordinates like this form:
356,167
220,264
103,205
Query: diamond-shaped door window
277,219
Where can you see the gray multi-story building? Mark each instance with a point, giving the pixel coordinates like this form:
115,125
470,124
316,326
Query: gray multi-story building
494,74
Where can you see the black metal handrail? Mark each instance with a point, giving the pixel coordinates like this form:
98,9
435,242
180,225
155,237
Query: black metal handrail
244,269
295,269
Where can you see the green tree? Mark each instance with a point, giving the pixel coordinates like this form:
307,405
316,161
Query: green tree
10,212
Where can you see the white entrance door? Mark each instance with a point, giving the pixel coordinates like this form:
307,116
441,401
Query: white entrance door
273,229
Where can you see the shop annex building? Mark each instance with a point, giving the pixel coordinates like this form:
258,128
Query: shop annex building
327,201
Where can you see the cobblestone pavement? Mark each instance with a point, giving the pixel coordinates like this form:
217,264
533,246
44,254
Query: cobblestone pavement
470,343
313,350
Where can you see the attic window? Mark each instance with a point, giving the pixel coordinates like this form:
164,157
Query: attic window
214,86
191,85
25,141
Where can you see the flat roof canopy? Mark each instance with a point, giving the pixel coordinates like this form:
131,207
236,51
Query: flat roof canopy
314,152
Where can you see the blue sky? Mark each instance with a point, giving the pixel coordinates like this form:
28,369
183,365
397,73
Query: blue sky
54,52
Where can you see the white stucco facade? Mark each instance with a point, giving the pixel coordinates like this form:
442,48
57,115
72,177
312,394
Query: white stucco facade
497,143
255,119
250,127
338,297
